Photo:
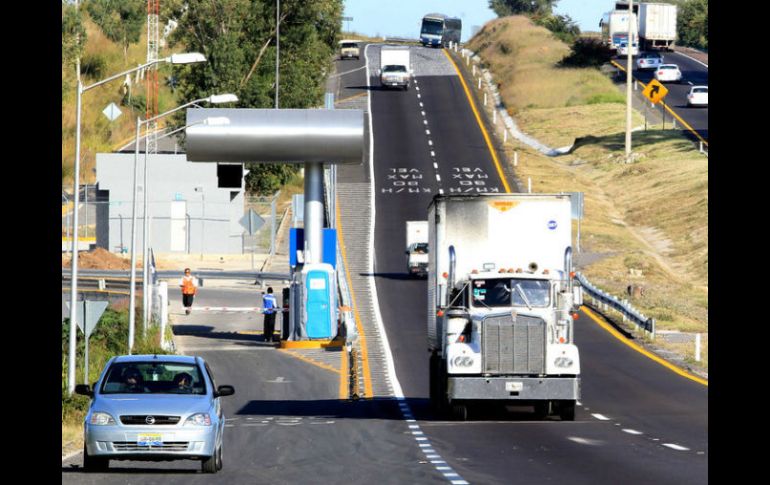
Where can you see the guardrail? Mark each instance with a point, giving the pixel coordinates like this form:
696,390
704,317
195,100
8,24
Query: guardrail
627,311
201,275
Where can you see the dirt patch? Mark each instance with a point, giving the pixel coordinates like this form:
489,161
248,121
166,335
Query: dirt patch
98,259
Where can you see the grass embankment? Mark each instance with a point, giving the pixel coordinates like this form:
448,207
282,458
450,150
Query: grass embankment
104,58
649,218
109,338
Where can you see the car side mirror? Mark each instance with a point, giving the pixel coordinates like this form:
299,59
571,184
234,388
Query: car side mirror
224,391
84,389
377,72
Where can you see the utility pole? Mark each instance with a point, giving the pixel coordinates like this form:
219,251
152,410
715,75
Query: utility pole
277,46
629,78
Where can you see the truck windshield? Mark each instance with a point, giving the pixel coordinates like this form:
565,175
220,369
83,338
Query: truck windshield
394,69
434,27
421,248
506,292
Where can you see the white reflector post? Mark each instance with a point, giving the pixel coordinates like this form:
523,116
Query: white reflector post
275,135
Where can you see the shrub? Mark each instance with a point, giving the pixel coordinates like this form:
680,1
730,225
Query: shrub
587,52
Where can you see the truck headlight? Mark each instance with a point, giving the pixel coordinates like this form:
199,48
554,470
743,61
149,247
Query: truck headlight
563,362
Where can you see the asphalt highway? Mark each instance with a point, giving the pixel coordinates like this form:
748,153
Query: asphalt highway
694,73
652,423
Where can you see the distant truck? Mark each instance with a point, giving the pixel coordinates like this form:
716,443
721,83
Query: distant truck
500,303
614,26
657,25
417,248
395,68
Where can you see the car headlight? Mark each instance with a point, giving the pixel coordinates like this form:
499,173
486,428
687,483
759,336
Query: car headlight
563,362
200,419
101,419
463,361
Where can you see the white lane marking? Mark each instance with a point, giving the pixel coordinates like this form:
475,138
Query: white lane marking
421,104
694,59
433,154
427,132
676,447
438,177
441,191
413,426
585,441
430,142
423,113
632,431
435,165
418,95
459,482
417,88
424,122
601,417
690,83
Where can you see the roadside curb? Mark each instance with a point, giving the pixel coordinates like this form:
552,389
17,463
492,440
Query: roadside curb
70,455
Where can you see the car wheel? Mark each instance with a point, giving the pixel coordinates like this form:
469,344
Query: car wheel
219,457
94,463
209,463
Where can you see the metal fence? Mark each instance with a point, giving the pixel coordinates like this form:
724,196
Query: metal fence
604,301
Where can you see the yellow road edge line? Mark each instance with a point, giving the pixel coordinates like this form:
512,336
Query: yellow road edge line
308,360
686,125
350,97
606,326
344,375
359,327
481,124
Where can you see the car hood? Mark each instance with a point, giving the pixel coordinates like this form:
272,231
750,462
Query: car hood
171,405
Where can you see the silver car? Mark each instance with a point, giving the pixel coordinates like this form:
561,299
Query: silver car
154,407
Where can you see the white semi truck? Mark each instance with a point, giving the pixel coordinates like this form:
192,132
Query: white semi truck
395,69
417,248
501,303
615,28
657,25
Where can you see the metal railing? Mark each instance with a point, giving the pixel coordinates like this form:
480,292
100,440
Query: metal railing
626,310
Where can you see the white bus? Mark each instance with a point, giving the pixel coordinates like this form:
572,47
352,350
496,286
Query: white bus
439,30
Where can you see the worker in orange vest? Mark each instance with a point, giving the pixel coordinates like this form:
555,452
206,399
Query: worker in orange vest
189,285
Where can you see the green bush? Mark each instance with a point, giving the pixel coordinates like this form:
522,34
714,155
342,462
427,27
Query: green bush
93,66
587,52
606,98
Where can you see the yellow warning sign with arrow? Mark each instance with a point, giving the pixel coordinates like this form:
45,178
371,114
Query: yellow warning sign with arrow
655,91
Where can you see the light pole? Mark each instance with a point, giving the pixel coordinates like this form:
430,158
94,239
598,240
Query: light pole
186,58
629,77
277,46
213,99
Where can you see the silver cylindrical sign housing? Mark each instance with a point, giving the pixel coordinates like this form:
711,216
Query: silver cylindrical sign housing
275,135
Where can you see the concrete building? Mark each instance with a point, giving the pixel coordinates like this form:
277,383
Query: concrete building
193,207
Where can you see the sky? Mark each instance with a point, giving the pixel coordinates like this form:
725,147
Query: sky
402,18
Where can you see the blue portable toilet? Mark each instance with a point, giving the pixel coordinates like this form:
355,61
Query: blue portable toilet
319,305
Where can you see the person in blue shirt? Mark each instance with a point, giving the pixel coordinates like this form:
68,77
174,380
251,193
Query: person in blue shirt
268,308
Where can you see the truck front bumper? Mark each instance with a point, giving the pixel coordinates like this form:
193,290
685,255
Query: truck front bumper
530,388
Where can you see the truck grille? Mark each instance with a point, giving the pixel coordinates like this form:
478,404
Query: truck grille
141,420
133,446
513,347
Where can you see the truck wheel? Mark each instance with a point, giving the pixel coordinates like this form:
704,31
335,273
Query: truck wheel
567,410
460,412
542,409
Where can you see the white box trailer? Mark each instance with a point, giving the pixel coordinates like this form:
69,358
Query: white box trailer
657,25
617,30
395,67
500,302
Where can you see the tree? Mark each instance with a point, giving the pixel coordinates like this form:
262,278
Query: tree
692,23
120,20
72,27
562,26
503,8
238,39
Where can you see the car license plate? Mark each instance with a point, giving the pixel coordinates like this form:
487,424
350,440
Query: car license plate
154,439
514,386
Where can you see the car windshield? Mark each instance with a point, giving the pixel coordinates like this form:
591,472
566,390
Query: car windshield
668,67
392,68
432,27
349,45
421,248
700,90
154,377
505,292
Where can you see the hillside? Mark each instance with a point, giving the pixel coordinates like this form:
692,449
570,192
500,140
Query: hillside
103,58
645,223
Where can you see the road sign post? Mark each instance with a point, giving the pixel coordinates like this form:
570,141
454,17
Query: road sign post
88,315
252,222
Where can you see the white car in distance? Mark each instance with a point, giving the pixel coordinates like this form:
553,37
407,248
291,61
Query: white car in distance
649,60
698,96
668,73
623,49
